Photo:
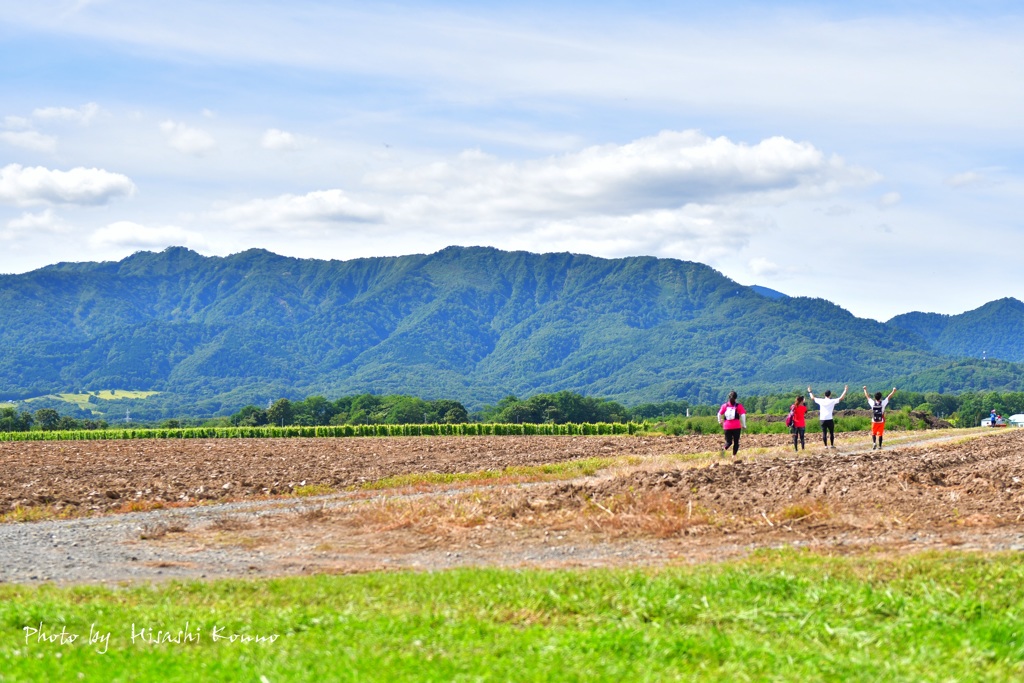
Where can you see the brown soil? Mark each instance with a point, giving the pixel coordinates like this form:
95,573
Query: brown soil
962,490
107,475
978,482
930,496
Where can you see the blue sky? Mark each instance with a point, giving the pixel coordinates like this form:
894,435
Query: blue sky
811,147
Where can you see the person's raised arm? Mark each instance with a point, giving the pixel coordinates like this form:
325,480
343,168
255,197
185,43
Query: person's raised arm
890,394
866,395
810,393
843,395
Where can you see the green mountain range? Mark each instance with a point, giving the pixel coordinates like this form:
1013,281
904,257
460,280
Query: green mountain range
471,324
996,330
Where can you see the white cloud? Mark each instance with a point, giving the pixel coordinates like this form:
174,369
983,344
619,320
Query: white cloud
187,140
677,194
890,199
666,171
289,211
83,115
16,122
79,5
29,139
964,179
915,67
26,186
762,267
137,236
704,233
279,140
43,222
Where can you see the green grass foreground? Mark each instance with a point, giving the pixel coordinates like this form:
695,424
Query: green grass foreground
776,616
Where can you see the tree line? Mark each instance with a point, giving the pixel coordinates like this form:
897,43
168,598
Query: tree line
964,410
361,409
44,419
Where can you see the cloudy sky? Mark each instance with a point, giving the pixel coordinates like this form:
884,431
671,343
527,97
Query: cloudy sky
870,155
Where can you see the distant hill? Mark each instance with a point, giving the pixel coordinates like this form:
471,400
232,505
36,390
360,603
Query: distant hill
995,330
472,324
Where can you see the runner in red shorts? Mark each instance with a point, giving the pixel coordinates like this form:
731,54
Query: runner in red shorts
877,406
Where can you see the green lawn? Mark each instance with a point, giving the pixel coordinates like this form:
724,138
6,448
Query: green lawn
777,616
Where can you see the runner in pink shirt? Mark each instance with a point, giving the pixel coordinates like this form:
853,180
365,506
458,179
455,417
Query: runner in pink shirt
733,418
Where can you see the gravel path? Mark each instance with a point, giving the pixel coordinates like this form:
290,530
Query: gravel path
129,547
111,548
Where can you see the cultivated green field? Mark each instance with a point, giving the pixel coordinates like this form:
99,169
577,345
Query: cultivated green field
785,616
471,429
82,400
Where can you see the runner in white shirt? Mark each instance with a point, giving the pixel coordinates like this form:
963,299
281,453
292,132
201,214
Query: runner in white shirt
827,405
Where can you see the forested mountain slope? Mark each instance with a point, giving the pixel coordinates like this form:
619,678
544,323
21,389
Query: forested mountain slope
471,324
995,330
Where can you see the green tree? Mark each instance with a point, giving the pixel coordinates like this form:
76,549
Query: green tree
517,414
47,419
67,423
943,405
313,411
281,413
443,410
973,407
9,420
369,405
249,416
407,410
359,417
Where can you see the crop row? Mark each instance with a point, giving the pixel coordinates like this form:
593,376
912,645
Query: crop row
475,429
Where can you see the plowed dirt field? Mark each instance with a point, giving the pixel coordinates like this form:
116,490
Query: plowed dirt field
648,500
105,475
